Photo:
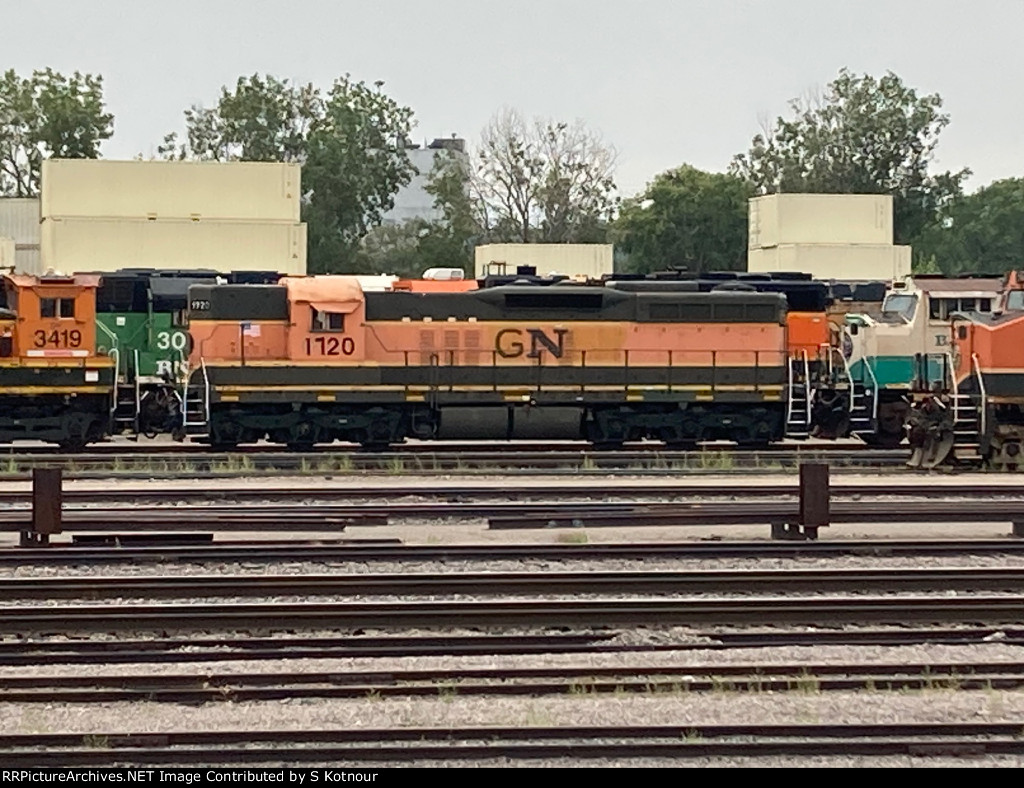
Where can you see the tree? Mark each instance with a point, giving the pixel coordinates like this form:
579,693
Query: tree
865,136
686,217
549,182
411,247
47,115
982,233
351,142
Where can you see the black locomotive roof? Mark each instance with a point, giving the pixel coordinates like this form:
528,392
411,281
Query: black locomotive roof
577,302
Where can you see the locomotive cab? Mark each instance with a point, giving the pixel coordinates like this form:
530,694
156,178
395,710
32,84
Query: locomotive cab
53,385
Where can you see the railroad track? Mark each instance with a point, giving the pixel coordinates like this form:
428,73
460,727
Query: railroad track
639,678
383,550
190,449
255,617
221,649
324,493
509,460
515,515
486,584
362,745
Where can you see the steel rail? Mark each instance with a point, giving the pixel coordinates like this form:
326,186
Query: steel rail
485,584
221,649
639,678
355,745
305,551
817,610
517,515
324,493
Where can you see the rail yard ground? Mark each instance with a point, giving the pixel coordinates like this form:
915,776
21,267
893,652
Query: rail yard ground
439,684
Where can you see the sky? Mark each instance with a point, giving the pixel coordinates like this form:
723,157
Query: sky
666,82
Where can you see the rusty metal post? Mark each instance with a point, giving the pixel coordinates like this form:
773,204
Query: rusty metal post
815,497
46,506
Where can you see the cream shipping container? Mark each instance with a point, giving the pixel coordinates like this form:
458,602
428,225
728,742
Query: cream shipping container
834,261
71,245
6,252
781,219
574,260
246,191
19,221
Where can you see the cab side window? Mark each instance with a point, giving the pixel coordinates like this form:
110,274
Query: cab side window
56,307
333,322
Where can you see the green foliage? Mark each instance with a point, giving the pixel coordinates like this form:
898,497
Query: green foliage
545,182
863,136
686,217
982,233
410,248
350,141
47,115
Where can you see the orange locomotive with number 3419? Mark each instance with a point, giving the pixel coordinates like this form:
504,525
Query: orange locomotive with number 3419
53,385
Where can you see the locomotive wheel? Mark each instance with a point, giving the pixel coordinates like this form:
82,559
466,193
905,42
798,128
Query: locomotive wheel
934,451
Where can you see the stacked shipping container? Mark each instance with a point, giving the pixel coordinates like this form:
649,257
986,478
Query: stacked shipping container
832,236
19,234
105,215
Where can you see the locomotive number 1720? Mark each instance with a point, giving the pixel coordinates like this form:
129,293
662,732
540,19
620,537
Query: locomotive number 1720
330,346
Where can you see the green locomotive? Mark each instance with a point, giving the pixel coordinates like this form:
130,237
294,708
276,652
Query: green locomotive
141,324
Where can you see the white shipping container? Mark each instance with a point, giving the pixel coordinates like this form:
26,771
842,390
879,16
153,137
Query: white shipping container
834,261
589,260
19,219
28,260
6,252
242,191
75,245
779,219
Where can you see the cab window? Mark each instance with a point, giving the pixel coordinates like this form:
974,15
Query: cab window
56,307
899,306
328,321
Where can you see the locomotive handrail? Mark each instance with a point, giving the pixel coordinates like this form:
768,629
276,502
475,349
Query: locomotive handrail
955,386
874,390
976,366
115,354
807,388
138,390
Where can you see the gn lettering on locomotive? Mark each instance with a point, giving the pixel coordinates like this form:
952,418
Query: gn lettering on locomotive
508,342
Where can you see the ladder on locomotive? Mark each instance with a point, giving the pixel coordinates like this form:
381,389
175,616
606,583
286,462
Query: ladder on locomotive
195,402
127,401
969,411
798,397
863,399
